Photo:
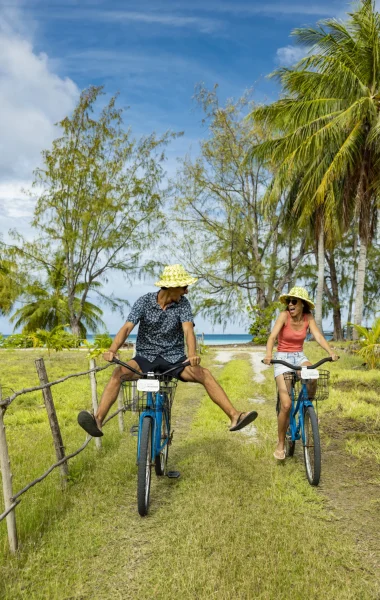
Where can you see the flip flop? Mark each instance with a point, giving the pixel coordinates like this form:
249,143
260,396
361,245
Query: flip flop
279,454
242,422
87,421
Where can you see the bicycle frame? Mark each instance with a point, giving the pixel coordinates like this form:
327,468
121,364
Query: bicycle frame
297,429
156,415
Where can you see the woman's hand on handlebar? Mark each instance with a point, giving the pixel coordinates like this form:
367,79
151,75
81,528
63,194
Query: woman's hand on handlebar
334,357
267,360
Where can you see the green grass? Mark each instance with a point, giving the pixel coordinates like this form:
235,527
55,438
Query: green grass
354,396
29,438
236,525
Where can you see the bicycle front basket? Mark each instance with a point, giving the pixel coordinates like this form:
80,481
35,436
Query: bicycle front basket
137,401
318,389
322,391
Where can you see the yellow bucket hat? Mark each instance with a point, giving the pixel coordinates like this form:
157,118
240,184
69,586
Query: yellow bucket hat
297,292
175,276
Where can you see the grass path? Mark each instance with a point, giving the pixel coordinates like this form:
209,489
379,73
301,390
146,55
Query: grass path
236,525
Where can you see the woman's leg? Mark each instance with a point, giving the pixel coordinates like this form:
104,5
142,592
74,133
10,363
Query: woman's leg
283,416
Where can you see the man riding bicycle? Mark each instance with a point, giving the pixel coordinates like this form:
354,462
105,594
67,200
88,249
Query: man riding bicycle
166,320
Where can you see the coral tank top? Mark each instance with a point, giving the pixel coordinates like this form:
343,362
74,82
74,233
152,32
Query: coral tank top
290,340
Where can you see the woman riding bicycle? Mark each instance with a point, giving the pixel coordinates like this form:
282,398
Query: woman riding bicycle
291,328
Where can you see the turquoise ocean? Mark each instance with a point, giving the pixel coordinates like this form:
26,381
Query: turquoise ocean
210,339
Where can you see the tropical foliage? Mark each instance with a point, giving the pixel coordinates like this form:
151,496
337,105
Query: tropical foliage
326,133
100,205
101,343
45,305
369,340
242,250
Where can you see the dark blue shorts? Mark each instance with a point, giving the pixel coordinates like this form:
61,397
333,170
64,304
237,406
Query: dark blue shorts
160,365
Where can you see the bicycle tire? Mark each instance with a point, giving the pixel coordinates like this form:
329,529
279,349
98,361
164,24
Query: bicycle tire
161,459
312,446
144,467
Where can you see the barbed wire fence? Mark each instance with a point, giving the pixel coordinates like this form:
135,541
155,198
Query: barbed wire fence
11,499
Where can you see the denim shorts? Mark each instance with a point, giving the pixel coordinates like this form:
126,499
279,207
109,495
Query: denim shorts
294,358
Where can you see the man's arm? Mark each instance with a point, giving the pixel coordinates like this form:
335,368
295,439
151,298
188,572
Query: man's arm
119,340
188,329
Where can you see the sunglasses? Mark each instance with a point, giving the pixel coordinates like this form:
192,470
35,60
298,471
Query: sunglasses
291,301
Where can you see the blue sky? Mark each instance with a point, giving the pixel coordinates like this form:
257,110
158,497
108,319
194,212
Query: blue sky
153,53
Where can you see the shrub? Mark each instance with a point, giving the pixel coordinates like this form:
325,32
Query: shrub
370,344
101,343
17,340
262,321
57,339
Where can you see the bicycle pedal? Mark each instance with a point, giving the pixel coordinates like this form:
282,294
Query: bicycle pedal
134,430
173,474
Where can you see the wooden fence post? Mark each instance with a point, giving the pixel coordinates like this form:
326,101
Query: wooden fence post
6,476
94,396
52,416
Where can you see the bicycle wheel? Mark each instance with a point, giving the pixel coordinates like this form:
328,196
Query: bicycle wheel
312,447
144,467
161,459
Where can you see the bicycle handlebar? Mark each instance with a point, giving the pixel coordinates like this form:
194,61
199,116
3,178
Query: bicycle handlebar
299,367
142,375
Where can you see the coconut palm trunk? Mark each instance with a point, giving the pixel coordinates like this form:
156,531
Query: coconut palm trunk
359,300
321,278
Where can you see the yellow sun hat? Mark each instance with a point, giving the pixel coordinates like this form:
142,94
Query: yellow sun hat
297,292
175,276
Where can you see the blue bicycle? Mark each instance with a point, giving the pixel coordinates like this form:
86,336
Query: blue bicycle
152,398
305,388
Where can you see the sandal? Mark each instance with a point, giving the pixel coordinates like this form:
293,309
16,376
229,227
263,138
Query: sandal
87,421
279,454
243,421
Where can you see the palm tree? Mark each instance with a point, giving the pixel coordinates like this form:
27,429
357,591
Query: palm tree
46,305
328,126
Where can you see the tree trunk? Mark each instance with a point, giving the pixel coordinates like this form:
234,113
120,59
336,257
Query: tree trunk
334,297
273,268
351,300
321,278
75,329
359,300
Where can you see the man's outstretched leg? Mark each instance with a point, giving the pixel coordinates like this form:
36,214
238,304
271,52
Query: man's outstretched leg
92,424
218,395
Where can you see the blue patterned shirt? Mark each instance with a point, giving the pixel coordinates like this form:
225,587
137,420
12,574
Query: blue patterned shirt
160,332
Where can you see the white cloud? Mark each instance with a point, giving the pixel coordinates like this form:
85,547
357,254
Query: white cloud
290,55
32,99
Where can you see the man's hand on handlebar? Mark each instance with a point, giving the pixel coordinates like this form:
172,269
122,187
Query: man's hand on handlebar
194,360
109,356
334,356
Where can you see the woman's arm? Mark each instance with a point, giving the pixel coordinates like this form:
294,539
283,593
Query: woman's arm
319,338
273,335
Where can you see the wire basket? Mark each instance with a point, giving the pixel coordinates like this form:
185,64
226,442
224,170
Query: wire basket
137,401
318,389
